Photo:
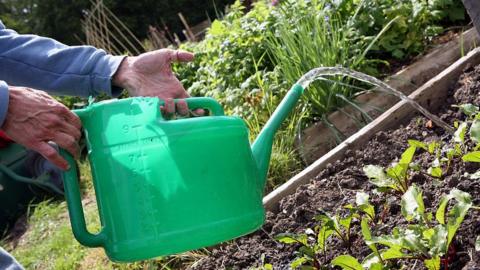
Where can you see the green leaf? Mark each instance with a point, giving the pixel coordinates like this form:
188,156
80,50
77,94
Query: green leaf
407,156
435,172
440,214
307,251
412,204
290,238
368,209
323,235
346,222
298,262
432,264
472,157
459,135
377,176
458,212
412,240
347,262
392,241
374,172
477,244
433,146
418,144
468,109
398,172
367,235
438,241
267,266
376,266
217,28
475,131
361,198
370,260
394,253
453,152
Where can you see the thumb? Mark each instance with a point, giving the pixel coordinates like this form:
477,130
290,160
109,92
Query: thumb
181,56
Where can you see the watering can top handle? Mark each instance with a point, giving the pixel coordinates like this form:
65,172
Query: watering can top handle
202,103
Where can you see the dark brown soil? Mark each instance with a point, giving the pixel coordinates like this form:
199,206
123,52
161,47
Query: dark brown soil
337,185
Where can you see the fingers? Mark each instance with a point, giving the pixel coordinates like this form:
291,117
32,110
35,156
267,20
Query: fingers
48,152
181,56
71,130
182,107
68,143
169,107
198,112
73,119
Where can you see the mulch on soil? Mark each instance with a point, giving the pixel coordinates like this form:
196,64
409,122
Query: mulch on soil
337,185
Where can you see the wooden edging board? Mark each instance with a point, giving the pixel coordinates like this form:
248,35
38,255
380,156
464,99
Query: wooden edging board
318,139
431,95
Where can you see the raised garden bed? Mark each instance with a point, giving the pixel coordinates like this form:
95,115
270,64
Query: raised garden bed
318,139
331,186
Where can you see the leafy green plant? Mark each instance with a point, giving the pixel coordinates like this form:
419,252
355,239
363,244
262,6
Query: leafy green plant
395,177
309,35
313,243
362,206
423,240
306,255
418,22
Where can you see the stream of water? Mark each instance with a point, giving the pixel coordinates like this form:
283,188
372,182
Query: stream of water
321,72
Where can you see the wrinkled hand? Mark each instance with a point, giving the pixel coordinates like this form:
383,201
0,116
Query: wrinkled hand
150,74
34,118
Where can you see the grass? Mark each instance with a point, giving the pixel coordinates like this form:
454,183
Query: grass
50,244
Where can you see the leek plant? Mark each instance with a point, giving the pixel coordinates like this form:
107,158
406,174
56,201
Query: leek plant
313,35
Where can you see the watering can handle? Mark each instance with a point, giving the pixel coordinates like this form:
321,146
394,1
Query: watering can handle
75,209
202,103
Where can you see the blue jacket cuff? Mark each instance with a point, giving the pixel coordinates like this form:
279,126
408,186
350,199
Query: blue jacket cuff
104,73
4,99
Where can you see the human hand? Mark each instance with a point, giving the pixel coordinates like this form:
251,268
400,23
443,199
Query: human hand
150,74
34,118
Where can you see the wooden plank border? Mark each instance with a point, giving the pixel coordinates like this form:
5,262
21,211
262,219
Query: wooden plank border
430,95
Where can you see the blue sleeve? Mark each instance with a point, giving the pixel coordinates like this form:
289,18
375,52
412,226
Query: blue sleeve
8,262
45,64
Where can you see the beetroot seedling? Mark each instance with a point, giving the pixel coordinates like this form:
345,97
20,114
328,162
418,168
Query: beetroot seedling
396,177
422,240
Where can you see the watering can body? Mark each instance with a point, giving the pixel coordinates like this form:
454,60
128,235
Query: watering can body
166,186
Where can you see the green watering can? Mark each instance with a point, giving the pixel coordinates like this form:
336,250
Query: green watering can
168,186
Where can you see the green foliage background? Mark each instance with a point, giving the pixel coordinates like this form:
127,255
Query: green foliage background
239,65
61,19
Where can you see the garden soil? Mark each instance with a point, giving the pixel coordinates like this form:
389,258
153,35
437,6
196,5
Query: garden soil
337,185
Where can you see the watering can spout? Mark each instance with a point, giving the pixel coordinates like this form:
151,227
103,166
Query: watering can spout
262,146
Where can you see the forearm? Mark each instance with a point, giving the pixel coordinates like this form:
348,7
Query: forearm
43,63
